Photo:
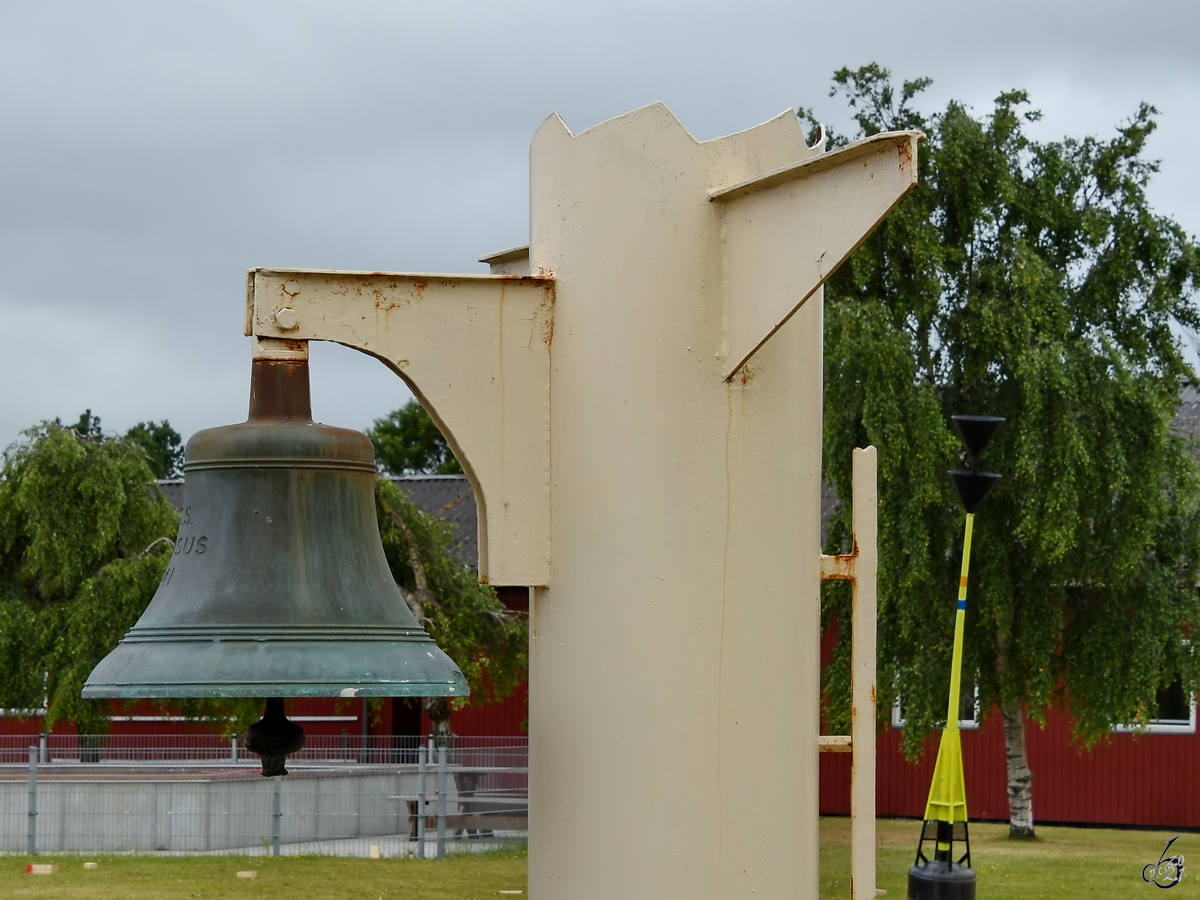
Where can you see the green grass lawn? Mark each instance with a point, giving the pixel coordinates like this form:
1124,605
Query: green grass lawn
1063,862
461,877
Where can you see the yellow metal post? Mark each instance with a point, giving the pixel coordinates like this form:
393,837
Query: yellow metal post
948,793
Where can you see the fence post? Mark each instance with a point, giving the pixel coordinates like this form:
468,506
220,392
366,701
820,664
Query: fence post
276,814
420,801
441,803
233,750
43,748
33,764
366,733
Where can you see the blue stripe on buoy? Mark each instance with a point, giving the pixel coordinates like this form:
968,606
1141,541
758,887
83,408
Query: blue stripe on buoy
962,604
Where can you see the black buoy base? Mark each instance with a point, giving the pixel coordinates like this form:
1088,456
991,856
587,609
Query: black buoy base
274,737
940,880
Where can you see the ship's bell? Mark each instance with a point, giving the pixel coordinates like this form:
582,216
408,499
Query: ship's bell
278,586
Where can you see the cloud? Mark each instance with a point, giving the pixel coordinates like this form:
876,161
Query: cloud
151,153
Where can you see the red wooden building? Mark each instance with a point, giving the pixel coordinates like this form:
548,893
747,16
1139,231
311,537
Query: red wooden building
1147,779
1142,780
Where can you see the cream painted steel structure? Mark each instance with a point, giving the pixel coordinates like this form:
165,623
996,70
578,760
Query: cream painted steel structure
859,567
637,403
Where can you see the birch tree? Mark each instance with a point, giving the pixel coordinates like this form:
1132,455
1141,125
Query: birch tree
1030,280
487,641
85,536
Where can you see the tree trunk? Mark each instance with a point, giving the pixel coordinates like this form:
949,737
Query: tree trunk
1020,779
437,708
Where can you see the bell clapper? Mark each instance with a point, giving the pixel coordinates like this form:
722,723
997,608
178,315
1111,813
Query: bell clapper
274,737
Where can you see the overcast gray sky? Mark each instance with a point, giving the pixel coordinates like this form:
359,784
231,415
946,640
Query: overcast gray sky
152,152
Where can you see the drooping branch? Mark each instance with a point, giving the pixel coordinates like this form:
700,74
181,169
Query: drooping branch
422,597
154,543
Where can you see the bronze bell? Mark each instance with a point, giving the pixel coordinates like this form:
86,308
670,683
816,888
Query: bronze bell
278,586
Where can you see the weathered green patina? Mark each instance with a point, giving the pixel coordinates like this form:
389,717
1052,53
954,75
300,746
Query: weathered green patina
278,586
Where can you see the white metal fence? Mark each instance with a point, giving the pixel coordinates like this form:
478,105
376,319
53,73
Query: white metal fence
179,796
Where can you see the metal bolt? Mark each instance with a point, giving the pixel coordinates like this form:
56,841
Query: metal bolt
286,318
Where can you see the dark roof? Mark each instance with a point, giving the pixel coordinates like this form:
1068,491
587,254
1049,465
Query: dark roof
449,497
172,488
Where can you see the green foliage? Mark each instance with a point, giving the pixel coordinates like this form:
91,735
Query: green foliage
487,641
460,876
88,426
1029,280
407,442
70,505
80,558
162,445
85,537
75,636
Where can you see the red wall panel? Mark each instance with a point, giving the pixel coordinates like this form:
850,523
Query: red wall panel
1144,780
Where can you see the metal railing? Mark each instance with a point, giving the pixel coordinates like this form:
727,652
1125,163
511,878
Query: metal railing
344,748
166,795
